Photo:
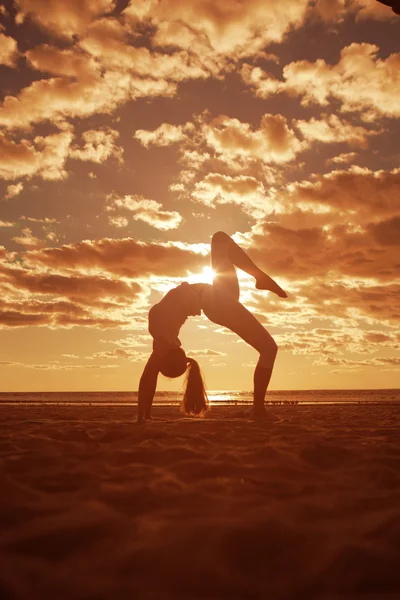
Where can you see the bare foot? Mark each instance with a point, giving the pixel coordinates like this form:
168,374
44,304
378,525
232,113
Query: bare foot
264,282
258,413
140,420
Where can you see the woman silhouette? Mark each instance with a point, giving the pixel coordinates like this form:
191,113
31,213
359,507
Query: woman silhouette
220,303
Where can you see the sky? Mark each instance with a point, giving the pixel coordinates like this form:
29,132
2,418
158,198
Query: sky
131,131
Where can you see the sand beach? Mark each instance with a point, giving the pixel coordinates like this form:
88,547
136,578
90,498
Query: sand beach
304,505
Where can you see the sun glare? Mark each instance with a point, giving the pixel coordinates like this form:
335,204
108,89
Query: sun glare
205,276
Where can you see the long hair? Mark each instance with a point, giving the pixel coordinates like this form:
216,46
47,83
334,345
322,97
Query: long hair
195,399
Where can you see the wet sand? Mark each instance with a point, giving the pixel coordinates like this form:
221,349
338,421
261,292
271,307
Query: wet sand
304,505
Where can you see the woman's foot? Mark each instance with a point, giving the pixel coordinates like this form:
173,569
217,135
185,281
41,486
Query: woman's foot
258,413
264,282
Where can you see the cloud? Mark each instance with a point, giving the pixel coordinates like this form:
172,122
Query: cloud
99,146
118,221
82,88
143,209
344,223
65,62
27,239
30,296
386,233
118,353
16,319
360,81
337,10
206,352
272,142
63,19
343,158
83,289
346,363
217,27
45,157
246,192
55,365
342,340
363,194
122,257
165,135
223,146
6,224
56,99
110,42
371,9
8,50
331,129
14,190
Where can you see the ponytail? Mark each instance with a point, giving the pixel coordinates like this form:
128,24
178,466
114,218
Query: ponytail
195,399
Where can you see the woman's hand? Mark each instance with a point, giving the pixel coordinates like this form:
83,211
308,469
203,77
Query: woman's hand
147,388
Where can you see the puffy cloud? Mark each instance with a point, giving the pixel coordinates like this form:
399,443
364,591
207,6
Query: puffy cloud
344,223
247,192
165,135
118,221
123,257
27,239
30,296
83,88
56,99
344,157
67,286
342,340
66,62
148,211
371,9
272,142
360,81
6,224
223,145
83,289
8,50
99,145
361,194
63,19
14,190
109,42
332,129
336,10
217,26
45,156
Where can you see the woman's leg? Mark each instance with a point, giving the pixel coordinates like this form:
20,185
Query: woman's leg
221,308
225,256
225,277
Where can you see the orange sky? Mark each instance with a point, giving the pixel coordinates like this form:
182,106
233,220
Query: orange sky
131,131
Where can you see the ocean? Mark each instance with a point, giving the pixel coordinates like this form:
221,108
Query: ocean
216,397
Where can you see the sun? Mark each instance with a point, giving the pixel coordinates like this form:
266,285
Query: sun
205,276
208,275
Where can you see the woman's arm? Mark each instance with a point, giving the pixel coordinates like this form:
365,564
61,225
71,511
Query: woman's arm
147,388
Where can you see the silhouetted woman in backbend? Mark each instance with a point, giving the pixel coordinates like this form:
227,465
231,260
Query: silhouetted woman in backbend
220,303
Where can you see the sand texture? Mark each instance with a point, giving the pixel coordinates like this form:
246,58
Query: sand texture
94,507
